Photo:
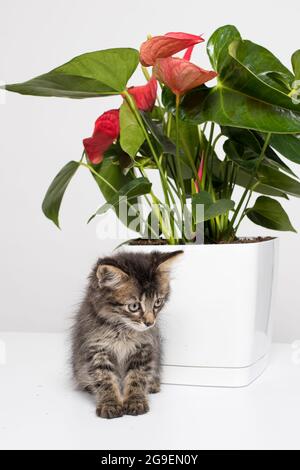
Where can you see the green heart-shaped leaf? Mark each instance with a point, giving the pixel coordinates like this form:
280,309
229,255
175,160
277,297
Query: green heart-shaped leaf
217,46
229,107
243,177
296,64
155,127
99,73
131,133
267,173
262,65
112,175
244,148
278,180
287,145
133,189
252,91
53,198
269,213
211,209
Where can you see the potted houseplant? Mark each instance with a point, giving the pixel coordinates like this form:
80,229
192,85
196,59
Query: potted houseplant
218,324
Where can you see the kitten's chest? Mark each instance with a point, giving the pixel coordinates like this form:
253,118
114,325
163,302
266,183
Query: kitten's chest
122,348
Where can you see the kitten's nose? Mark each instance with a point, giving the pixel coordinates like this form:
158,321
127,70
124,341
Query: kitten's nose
148,323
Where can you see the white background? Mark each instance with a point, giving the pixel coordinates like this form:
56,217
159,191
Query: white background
42,269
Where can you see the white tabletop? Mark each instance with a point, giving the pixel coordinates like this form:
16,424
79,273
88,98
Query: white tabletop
39,409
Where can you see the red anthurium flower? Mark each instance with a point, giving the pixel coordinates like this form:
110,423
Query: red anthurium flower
107,129
145,95
180,75
200,172
188,53
160,47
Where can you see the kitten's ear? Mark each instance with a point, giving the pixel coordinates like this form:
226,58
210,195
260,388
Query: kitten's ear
166,261
110,276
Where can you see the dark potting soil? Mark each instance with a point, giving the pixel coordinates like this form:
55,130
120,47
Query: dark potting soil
248,240
147,241
160,241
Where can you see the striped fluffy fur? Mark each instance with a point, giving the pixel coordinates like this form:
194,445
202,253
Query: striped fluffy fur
116,347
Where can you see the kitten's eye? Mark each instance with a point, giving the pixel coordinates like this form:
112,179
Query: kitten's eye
134,306
158,302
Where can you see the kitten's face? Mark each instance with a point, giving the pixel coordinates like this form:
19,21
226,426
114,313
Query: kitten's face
137,309
135,287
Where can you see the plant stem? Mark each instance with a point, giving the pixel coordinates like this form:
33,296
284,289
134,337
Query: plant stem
209,154
191,160
146,73
207,171
89,167
136,113
115,191
164,180
245,208
177,158
155,205
82,156
171,167
250,185
169,124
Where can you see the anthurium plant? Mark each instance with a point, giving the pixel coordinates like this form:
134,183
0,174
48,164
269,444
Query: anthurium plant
248,106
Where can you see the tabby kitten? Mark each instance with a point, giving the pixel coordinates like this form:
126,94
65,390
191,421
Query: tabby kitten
116,344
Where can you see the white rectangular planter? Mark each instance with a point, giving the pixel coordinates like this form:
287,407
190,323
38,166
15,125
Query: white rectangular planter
217,326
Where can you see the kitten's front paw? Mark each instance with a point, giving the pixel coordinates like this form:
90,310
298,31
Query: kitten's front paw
136,406
154,387
109,410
